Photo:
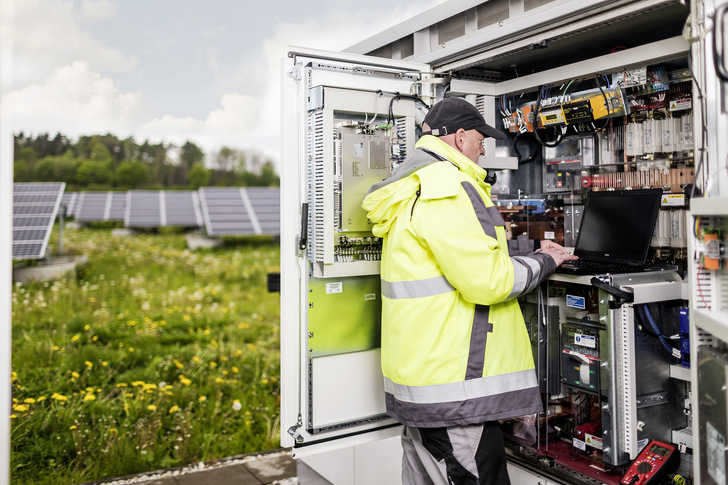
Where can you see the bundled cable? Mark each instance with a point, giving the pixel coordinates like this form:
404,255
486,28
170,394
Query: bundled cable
651,328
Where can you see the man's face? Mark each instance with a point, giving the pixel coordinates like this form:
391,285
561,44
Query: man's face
473,145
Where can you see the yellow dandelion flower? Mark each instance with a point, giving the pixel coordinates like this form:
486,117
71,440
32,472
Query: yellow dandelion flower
13,376
137,383
13,416
59,397
104,363
223,358
122,384
196,359
95,338
86,327
177,363
55,347
173,409
202,398
74,374
238,353
186,318
72,427
264,381
131,349
75,338
40,398
152,407
89,397
213,364
29,400
236,370
185,381
219,380
224,372
88,364
20,408
89,389
113,431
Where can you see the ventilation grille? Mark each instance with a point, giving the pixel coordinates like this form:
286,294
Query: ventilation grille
400,138
625,380
317,190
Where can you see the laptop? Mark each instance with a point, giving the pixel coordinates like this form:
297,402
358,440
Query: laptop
615,232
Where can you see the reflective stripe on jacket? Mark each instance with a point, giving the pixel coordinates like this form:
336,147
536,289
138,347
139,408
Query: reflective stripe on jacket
455,349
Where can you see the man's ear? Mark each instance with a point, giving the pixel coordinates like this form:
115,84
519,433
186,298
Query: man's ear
460,136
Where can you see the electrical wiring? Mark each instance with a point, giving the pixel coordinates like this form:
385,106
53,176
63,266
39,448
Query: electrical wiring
650,327
560,134
696,228
376,111
397,95
704,126
518,152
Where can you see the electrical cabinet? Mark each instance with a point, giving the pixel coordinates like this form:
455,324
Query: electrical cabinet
598,95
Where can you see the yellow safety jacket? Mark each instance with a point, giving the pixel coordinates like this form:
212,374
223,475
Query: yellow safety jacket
455,349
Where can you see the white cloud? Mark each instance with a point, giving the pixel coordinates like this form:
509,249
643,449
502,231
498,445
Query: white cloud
98,9
47,35
75,101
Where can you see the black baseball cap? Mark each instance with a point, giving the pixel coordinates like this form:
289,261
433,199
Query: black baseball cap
451,114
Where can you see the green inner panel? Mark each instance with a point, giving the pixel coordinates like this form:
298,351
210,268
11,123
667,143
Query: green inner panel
344,314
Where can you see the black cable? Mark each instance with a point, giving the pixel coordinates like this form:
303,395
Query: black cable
414,97
606,101
518,152
704,127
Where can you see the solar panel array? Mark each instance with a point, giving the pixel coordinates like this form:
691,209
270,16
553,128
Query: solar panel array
70,202
101,206
240,211
224,211
35,206
157,208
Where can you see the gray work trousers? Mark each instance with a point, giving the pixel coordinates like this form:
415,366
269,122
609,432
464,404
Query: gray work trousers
456,455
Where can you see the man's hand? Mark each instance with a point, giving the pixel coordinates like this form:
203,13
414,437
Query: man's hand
556,251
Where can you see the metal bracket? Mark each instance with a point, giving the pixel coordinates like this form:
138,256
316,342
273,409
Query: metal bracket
654,399
295,72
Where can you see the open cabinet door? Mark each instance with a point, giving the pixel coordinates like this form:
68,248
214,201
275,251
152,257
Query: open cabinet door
346,121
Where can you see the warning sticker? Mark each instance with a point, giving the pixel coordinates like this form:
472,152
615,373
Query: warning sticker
593,441
673,200
579,444
681,104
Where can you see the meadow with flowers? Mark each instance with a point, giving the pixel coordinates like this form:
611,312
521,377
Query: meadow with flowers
151,356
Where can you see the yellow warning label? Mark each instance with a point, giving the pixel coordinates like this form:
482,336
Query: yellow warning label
673,200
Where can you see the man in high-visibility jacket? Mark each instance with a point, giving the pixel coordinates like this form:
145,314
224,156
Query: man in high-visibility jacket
456,355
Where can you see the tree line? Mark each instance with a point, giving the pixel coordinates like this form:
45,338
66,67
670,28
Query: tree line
105,162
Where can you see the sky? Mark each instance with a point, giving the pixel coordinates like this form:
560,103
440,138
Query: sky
169,70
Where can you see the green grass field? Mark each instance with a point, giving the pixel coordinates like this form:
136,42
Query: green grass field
154,356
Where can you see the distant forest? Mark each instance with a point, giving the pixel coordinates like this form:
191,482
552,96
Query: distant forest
104,162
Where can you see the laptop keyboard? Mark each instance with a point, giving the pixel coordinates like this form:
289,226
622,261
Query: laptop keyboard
598,266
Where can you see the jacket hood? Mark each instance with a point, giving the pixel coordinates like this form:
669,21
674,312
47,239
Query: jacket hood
387,199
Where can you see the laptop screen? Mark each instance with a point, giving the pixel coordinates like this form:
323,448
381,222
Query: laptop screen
617,225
